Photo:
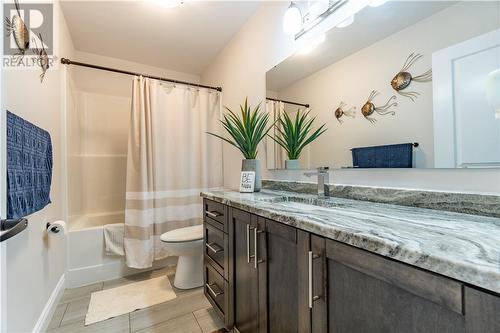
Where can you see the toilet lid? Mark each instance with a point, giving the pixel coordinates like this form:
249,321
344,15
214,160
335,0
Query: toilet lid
183,234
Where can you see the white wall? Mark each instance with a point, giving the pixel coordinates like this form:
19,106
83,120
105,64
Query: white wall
240,68
352,79
115,84
34,262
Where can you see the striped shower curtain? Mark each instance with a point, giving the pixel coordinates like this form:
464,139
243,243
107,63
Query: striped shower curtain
275,154
170,160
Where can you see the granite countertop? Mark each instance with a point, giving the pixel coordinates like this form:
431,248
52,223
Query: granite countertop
461,246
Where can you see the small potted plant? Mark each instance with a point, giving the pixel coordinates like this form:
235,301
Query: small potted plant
294,135
246,131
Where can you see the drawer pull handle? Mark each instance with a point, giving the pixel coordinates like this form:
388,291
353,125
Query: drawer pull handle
257,261
213,214
312,298
214,248
248,243
212,291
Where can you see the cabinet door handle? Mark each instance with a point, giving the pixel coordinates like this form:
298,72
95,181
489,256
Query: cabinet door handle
311,297
248,242
213,214
257,261
214,247
212,291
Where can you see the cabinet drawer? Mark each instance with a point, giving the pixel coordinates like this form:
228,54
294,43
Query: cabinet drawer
215,213
216,289
215,249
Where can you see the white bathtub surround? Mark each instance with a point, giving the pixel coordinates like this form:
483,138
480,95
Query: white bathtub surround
170,158
114,302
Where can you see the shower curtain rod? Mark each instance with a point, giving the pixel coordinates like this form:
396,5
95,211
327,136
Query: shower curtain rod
66,61
287,102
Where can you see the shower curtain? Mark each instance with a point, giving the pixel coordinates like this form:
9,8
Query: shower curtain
170,160
275,154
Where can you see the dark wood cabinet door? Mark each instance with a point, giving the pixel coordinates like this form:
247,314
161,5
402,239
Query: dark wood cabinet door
281,278
368,293
244,278
312,307
482,311
319,291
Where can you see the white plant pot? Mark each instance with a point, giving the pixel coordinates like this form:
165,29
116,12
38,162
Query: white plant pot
292,164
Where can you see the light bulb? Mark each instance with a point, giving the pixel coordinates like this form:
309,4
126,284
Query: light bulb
292,22
308,48
347,22
376,3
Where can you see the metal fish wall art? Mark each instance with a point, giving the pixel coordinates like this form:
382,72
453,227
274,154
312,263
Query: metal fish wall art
404,78
340,111
42,59
15,26
369,107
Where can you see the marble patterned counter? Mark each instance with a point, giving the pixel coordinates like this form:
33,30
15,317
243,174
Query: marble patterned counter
461,246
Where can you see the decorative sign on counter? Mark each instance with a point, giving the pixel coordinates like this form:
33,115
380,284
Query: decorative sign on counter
247,182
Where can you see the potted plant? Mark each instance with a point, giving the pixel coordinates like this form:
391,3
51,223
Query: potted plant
246,131
295,135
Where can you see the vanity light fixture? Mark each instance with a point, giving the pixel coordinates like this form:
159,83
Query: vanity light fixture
317,8
347,22
308,48
292,22
376,3
169,3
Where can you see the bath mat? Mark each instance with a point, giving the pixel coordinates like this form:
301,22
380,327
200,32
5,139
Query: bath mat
114,302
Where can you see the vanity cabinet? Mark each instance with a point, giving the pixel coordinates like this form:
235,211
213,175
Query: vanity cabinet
216,259
265,274
276,278
245,279
369,293
482,311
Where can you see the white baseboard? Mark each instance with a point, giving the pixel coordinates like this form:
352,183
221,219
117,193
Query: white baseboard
48,311
82,276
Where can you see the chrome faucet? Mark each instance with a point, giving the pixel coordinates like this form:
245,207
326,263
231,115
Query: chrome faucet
322,173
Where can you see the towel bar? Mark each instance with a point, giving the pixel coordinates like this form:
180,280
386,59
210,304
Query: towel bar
415,145
11,227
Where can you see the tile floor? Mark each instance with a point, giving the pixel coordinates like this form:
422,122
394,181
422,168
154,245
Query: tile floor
190,312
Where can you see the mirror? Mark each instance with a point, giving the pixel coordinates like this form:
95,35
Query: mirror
441,111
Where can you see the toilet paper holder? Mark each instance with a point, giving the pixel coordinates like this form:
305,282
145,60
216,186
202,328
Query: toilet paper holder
52,228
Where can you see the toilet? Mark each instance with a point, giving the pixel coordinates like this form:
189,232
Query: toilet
187,243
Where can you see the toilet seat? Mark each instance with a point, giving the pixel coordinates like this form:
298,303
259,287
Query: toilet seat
181,235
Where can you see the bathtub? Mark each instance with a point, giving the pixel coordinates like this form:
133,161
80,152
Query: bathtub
79,222
87,261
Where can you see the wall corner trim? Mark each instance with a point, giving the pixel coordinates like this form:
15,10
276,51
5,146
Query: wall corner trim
46,315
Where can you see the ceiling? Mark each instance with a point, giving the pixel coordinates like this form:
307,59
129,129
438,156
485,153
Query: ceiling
185,38
370,25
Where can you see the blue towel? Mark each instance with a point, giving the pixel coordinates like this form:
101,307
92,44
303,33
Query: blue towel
29,167
387,156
